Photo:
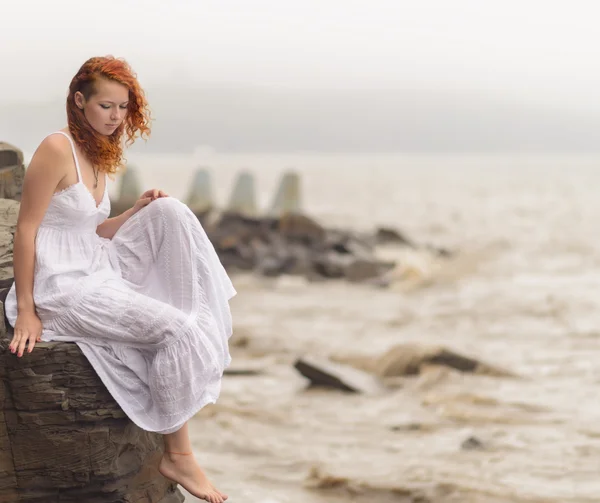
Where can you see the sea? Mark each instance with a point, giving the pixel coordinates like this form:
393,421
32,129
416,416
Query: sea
520,291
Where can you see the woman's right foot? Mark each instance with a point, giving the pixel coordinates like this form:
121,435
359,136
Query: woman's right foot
183,469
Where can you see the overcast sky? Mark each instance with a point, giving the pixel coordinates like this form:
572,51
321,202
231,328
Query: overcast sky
543,50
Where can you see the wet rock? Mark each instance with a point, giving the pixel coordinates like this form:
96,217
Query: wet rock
301,228
64,439
362,269
409,359
293,244
324,373
387,235
332,264
244,370
472,444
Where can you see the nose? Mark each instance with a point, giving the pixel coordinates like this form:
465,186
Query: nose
115,114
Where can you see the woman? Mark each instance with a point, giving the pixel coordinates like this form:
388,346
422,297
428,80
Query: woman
143,294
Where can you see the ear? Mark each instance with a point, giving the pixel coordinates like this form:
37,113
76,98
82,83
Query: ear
79,100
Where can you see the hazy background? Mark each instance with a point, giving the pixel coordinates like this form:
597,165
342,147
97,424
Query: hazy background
321,76
468,125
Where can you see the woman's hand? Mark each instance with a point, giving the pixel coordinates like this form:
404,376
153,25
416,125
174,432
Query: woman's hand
147,197
154,194
28,330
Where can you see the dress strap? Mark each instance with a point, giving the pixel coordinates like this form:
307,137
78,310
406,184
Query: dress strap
79,179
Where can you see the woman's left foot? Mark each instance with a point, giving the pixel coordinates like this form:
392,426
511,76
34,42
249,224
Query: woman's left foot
184,469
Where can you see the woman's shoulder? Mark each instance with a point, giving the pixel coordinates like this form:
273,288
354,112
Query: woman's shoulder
55,145
57,141
53,152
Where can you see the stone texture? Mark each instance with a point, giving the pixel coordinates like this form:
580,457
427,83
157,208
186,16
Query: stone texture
12,172
64,439
8,221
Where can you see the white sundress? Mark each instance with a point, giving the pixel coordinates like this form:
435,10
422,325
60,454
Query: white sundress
148,308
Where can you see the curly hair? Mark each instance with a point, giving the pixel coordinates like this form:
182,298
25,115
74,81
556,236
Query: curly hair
106,152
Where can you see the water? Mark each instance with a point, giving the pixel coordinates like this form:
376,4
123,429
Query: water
521,294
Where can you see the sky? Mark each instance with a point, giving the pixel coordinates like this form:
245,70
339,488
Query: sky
542,51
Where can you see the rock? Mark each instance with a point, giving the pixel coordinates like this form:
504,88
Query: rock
300,228
272,265
229,227
244,370
332,264
366,269
409,359
349,243
12,172
386,235
9,211
64,439
328,374
293,244
472,444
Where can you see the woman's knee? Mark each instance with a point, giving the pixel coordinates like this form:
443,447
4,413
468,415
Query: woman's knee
168,207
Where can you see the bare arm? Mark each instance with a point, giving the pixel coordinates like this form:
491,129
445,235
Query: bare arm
45,171
110,226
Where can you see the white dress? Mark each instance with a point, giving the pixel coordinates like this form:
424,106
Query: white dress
149,308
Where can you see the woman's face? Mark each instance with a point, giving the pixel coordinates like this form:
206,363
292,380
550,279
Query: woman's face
106,109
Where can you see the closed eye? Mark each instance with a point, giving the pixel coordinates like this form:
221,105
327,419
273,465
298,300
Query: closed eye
106,107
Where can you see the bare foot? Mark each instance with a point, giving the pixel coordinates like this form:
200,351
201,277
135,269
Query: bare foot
184,470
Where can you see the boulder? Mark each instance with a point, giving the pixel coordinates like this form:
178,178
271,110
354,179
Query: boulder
324,373
64,439
366,269
409,359
387,235
9,211
300,228
12,172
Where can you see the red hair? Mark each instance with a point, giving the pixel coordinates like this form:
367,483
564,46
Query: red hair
106,152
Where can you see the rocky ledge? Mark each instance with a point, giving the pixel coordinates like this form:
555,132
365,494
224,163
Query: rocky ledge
64,439
62,436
